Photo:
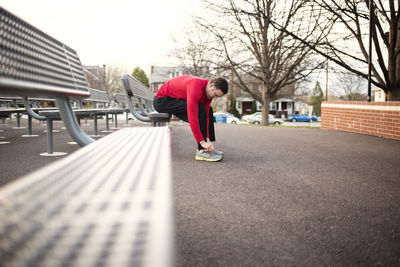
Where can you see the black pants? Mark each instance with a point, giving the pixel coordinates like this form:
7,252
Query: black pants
178,107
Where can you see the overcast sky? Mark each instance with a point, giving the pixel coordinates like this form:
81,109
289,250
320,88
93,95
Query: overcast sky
126,33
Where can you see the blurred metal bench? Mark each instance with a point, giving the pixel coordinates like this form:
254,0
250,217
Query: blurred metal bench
144,111
109,203
10,105
80,211
100,106
50,115
96,97
36,65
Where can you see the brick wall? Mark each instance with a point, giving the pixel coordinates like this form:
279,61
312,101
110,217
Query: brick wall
374,118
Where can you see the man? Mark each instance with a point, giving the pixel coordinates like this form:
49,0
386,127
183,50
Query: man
189,98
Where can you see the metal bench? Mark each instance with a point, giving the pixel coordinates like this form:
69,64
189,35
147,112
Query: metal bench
36,65
109,203
8,110
11,105
98,96
101,107
144,111
80,212
50,115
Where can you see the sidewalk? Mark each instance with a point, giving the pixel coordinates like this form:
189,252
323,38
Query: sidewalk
281,197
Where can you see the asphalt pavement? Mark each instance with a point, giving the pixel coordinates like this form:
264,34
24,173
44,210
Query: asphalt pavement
292,124
287,197
281,197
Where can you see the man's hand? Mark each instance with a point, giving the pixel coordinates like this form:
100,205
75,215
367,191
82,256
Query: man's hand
208,146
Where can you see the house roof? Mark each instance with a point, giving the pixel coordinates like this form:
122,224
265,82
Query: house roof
245,99
286,99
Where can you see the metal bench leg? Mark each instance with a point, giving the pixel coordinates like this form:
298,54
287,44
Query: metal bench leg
18,122
116,121
107,124
96,132
108,130
95,128
50,136
29,124
70,122
50,151
30,128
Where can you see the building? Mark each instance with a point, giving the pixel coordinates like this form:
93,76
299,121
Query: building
285,105
95,76
379,95
282,107
159,75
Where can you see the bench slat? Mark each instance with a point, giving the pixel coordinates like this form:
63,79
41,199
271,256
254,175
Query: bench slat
114,212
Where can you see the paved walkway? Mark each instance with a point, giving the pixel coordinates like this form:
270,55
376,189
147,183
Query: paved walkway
281,197
288,197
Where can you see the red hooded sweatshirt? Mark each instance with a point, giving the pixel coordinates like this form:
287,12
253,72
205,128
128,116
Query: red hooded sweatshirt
193,90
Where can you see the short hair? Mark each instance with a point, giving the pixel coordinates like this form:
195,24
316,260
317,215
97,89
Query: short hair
220,83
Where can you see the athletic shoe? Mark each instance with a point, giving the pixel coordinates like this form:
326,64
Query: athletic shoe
218,153
206,156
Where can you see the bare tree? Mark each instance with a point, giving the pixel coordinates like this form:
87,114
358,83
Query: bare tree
347,39
197,56
352,86
194,52
258,53
112,80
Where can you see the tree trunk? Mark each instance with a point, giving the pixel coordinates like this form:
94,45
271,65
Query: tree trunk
394,88
393,85
265,105
393,95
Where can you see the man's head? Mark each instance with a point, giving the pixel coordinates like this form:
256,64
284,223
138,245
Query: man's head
216,87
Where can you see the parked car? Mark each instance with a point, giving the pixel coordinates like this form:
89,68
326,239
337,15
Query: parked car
256,119
248,116
230,118
303,117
